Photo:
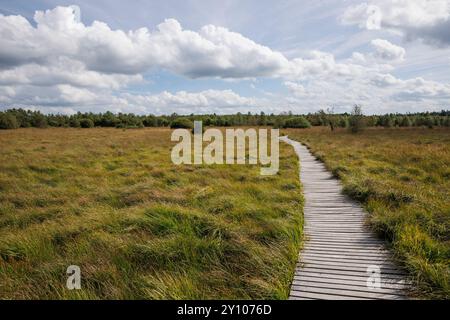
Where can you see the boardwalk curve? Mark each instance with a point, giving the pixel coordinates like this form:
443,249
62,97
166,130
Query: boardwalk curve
341,259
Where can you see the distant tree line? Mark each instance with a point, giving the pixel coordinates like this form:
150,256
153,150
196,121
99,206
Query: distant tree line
20,118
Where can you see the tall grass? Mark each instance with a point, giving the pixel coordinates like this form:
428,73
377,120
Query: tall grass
112,202
402,176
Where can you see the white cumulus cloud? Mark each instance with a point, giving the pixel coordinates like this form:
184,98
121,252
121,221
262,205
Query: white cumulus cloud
387,51
416,19
211,52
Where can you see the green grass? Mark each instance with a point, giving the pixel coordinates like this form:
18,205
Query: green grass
112,202
402,176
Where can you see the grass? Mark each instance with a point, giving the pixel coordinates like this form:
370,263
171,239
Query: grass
402,176
139,227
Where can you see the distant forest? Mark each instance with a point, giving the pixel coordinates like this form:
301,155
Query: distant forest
20,118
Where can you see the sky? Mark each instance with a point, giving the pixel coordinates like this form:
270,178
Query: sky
224,57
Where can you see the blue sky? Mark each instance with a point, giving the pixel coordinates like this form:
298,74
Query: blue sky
225,56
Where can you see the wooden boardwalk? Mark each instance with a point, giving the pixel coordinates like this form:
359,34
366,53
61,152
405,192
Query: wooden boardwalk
341,257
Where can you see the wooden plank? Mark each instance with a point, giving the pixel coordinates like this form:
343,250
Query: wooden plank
331,212
343,256
324,221
357,277
385,267
349,268
344,253
330,248
349,293
323,216
336,233
306,260
344,243
321,296
318,218
345,286
342,239
355,255
370,260
346,240
336,214
342,224
298,298
318,227
345,247
362,282
318,230
331,255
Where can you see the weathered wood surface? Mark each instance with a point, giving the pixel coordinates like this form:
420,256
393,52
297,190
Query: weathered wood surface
339,251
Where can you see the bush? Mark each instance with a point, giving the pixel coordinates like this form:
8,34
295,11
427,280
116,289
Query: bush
429,122
150,121
297,122
356,122
39,121
75,123
163,122
406,122
8,121
183,123
86,123
447,122
387,121
343,122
